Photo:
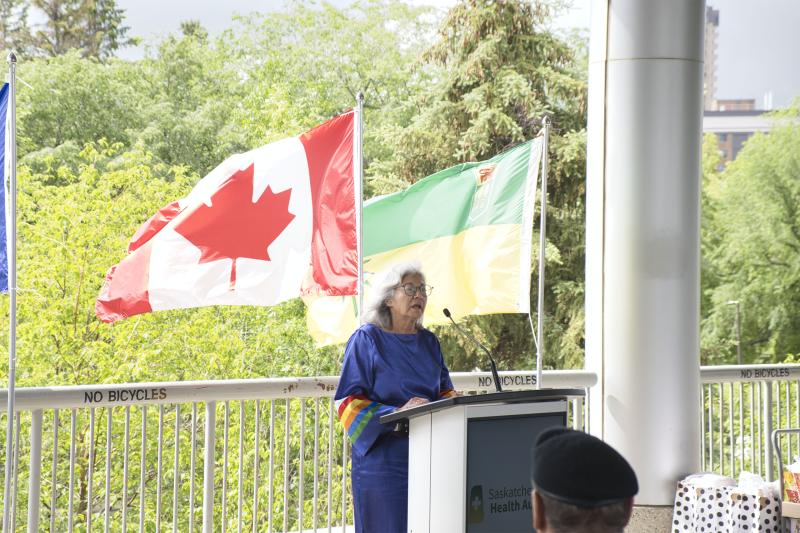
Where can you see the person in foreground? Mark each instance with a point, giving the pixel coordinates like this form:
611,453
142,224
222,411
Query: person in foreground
391,362
580,484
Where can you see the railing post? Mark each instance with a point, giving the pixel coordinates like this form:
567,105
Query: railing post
769,474
208,468
702,427
34,486
142,468
577,414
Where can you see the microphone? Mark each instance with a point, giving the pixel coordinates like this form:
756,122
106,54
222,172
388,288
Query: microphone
461,330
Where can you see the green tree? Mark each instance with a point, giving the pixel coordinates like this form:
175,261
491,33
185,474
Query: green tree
192,91
193,28
74,222
176,103
499,70
755,247
193,101
711,231
308,64
14,30
92,26
71,99
105,33
123,134
74,225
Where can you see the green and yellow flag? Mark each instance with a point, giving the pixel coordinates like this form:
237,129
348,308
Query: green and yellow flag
470,228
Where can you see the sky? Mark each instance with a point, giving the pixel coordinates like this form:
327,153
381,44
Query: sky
759,43
758,39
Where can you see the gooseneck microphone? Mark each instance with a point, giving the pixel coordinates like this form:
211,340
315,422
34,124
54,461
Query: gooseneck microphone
461,330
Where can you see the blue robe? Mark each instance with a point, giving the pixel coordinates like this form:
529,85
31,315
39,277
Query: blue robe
381,372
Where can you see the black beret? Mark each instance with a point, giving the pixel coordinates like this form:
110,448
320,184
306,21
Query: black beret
577,468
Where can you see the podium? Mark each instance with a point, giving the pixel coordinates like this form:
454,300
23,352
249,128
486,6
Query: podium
470,456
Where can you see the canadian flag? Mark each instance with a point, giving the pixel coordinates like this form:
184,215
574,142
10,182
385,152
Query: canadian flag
263,227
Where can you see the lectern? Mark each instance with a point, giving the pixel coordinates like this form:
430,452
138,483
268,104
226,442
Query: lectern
470,456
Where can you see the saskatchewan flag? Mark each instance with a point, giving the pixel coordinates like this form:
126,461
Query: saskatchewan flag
469,226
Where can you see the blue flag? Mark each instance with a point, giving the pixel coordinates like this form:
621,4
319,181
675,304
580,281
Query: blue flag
3,140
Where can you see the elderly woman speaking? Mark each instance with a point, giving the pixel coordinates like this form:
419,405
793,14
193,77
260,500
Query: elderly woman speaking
390,363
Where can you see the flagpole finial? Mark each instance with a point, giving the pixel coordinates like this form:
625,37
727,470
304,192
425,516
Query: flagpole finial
360,96
546,120
12,57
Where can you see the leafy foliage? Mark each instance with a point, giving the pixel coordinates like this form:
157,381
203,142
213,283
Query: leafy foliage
77,100
752,241
14,29
92,27
125,134
369,48
497,70
103,145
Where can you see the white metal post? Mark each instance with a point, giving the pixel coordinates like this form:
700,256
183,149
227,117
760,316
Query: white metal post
358,171
542,255
35,477
142,467
767,410
208,467
90,473
11,243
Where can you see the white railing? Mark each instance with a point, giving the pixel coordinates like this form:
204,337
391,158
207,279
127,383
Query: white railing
152,456
269,454
741,407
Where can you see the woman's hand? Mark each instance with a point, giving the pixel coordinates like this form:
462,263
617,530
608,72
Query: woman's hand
413,402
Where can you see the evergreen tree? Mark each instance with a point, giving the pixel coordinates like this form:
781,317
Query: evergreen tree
92,26
500,70
14,31
105,33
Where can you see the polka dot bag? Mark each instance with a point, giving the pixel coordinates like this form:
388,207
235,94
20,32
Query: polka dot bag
701,504
754,512
711,503
754,506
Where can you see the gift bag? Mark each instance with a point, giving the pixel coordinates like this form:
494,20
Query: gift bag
750,512
754,506
701,503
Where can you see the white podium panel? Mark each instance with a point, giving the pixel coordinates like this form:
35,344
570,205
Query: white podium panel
419,474
469,459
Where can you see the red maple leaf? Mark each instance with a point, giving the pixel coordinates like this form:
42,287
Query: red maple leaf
235,226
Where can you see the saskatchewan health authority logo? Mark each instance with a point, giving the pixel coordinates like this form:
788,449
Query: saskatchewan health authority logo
475,505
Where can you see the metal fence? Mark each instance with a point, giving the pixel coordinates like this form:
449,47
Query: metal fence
269,454
234,455
741,407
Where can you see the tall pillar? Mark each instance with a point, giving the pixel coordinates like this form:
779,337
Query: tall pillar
643,235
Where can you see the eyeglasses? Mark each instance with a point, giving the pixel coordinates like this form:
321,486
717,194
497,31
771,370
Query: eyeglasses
410,289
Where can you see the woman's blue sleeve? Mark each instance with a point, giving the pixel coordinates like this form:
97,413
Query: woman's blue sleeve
358,413
446,389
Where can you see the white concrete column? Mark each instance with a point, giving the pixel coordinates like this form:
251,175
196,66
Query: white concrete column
643,235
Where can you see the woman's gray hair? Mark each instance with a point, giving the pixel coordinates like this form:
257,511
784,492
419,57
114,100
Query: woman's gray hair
376,311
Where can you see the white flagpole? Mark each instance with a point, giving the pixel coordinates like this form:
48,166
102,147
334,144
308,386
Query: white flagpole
542,243
11,243
358,171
